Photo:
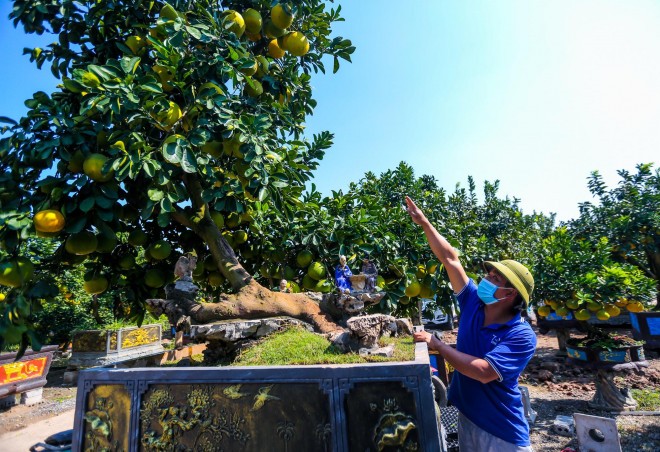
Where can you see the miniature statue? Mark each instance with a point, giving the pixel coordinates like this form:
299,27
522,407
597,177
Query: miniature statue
370,271
342,273
284,286
184,267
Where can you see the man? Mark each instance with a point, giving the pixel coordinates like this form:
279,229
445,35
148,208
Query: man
493,347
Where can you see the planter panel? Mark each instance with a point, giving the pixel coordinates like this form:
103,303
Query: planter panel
646,327
99,348
27,373
615,356
376,406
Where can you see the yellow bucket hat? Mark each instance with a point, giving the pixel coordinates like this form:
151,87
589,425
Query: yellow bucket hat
517,274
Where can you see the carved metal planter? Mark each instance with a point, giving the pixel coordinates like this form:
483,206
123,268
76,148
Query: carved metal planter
607,364
612,356
364,407
26,374
102,347
646,327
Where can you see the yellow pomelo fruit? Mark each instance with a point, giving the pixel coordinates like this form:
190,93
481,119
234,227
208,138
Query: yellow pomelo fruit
81,243
255,91
583,314
304,258
127,261
93,168
425,292
96,284
154,278
316,270
160,250
562,311
240,237
635,306
165,75
420,273
273,31
572,304
404,301
216,279
274,49
253,21
594,306
296,43
234,21
602,315
413,289
48,221
323,286
2,297
544,311
612,310
281,15
308,282
553,304
233,220
218,219
294,287
137,237
17,272
250,71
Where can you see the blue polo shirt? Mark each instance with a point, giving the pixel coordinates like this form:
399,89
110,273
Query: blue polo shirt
495,407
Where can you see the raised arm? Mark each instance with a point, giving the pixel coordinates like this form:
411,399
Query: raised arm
440,247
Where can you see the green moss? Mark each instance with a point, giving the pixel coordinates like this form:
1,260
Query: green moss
647,399
296,345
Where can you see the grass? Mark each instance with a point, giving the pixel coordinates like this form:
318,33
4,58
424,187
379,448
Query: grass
296,345
647,399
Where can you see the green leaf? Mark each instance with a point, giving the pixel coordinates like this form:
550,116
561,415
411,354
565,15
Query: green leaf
172,152
87,204
155,194
189,162
130,65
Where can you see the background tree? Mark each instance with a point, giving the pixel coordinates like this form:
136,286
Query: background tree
171,123
628,216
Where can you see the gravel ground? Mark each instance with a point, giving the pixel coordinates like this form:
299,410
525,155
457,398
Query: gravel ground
569,392
56,399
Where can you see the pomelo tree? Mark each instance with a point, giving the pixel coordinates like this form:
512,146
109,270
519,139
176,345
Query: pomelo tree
628,216
173,125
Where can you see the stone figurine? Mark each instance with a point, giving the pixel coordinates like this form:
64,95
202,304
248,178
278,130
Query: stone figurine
184,267
342,276
284,286
370,271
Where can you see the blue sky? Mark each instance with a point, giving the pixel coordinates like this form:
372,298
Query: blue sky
536,94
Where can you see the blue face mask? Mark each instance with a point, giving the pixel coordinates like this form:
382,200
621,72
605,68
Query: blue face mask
486,292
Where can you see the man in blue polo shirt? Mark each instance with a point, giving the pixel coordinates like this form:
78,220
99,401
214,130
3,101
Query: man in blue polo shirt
493,347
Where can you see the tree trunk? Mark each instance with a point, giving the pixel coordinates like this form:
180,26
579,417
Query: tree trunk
253,301
250,300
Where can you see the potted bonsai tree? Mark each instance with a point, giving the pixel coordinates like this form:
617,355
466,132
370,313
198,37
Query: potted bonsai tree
578,278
